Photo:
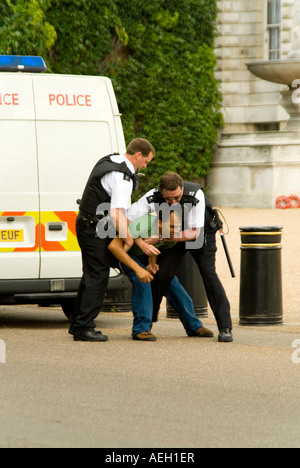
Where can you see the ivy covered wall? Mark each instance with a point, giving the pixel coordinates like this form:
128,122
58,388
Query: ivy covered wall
159,55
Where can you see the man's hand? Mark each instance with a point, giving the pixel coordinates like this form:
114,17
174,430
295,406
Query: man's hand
153,268
147,249
152,240
157,240
144,276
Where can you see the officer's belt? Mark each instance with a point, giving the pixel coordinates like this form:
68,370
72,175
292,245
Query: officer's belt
91,219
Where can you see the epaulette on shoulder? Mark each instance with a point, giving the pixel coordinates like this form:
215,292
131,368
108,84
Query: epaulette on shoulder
156,197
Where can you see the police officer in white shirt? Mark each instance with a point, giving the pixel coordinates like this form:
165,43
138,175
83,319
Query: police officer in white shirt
192,200
196,227
109,188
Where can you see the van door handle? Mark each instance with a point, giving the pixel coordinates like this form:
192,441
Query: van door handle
55,227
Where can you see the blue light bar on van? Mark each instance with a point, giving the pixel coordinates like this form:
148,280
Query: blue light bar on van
16,63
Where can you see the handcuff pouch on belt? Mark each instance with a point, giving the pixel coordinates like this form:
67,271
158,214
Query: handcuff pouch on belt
86,221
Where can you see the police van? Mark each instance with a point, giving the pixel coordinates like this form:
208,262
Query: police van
53,130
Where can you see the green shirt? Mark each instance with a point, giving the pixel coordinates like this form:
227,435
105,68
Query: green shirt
145,227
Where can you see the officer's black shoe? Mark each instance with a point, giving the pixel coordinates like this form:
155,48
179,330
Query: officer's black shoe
225,335
90,335
72,332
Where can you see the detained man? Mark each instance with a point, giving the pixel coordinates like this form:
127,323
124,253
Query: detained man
137,264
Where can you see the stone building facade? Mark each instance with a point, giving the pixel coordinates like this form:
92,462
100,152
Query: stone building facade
254,152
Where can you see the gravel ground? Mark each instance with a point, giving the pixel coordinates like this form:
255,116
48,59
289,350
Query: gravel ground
290,220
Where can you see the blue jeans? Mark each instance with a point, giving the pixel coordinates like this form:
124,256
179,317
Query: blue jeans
141,298
142,302
183,304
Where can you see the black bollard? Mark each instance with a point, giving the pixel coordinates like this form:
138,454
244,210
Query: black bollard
191,280
261,276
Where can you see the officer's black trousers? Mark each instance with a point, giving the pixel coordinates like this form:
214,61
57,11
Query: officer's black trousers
169,262
96,261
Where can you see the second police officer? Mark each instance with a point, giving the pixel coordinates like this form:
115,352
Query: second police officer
201,242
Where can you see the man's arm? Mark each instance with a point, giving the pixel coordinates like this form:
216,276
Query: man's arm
120,190
153,267
117,247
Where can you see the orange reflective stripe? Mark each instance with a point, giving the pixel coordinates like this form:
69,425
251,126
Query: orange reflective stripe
68,244
50,246
15,213
70,217
36,216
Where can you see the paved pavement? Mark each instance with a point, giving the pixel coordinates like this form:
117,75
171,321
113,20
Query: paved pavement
290,221
177,392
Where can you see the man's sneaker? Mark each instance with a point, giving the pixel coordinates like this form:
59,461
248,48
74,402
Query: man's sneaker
203,333
144,336
225,335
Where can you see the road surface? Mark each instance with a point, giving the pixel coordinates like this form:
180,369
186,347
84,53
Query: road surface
176,392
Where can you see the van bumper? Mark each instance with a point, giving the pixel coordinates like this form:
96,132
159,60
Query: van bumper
32,291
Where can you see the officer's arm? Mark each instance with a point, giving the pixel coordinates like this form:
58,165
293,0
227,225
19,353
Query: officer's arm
184,236
141,208
188,235
120,223
117,248
196,218
147,249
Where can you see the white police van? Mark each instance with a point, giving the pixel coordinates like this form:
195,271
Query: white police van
53,129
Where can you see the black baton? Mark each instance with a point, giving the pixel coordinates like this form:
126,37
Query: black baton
227,253
220,226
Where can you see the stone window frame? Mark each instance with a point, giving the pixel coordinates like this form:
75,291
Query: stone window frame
274,26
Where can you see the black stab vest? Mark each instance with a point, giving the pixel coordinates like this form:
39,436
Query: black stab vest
189,195
94,194
189,200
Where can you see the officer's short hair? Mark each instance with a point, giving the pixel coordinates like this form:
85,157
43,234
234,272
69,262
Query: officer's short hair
170,182
139,145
